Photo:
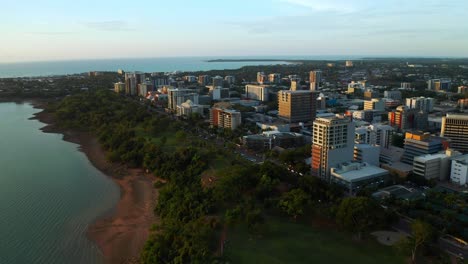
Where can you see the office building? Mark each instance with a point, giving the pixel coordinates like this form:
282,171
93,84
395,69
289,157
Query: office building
349,63
355,176
435,166
297,106
374,104
257,92
421,103
294,78
315,79
455,127
395,95
274,78
459,172
439,85
367,153
419,144
219,93
332,144
377,134
178,96
225,118
119,87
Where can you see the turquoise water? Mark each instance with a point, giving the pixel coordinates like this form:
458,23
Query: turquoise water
47,68
49,193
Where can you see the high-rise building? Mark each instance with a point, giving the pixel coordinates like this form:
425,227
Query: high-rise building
257,92
225,118
218,81
332,144
130,84
297,106
405,118
144,88
294,78
455,127
230,79
315,80
119,87
462,89
295,86
274,78
261,78
439,84
176,97
204,80
349,63
421,103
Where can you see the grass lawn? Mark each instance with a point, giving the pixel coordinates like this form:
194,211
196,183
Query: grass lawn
287,242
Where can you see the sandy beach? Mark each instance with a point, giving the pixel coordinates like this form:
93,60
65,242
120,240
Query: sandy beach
121,235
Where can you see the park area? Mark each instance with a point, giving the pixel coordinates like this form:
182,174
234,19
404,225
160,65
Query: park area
284,241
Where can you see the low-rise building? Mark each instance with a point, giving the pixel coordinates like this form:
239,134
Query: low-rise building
270,139
356,175
367,153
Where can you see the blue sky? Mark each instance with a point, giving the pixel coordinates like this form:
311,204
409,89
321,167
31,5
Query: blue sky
63,29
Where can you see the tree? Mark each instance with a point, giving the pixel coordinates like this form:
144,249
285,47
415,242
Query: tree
294,202
358,214
422,232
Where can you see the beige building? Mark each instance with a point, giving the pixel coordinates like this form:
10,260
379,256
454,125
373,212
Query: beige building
297,106
225,118
257,92
315,79
119,87
455,127
374,104
332,144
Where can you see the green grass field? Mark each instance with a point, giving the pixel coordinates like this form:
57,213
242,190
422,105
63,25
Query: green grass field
287,242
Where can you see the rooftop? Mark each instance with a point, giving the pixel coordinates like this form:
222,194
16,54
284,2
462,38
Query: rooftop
356,171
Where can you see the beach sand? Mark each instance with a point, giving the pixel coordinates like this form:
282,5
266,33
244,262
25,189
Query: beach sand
122,234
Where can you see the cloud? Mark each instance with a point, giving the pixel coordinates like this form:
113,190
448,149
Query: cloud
52,33
324,6
110,25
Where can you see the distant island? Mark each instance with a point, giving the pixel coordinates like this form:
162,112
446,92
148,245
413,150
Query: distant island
253,60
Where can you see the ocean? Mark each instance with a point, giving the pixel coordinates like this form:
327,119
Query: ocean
49,194
48,68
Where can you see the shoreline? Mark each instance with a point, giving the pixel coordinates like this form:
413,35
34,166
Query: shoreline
121,234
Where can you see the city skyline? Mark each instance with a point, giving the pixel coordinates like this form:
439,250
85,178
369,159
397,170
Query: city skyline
68,30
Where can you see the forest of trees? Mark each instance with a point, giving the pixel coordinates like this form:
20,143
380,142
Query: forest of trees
193,215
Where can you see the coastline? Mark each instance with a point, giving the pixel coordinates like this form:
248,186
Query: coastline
121,234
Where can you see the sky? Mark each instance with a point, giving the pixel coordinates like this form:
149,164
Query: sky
33,30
